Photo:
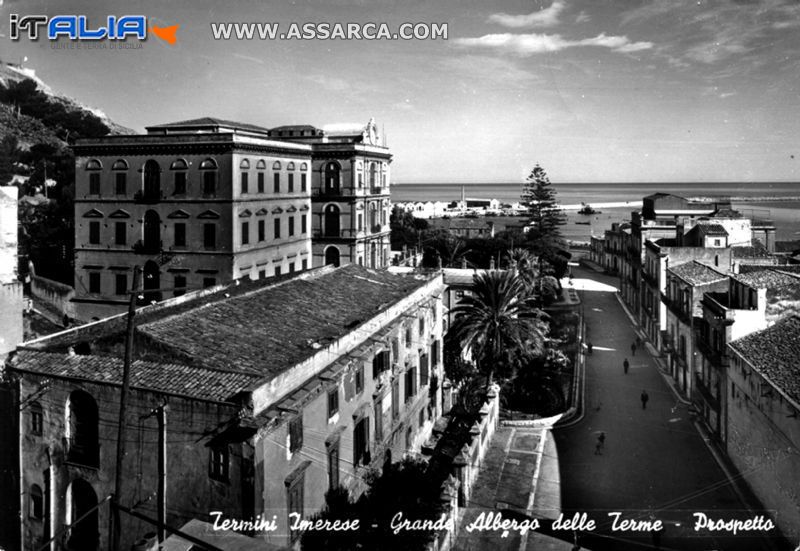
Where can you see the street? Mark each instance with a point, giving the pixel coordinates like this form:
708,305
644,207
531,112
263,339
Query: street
653,463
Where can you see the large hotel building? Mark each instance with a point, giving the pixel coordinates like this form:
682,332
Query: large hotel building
201,202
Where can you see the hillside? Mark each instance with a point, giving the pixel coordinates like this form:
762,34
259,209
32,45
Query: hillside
33,112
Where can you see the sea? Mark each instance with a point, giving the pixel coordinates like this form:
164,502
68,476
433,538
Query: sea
777,201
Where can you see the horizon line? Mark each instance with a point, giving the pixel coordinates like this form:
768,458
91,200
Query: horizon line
697,182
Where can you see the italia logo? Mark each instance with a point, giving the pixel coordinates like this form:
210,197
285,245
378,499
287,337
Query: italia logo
77,27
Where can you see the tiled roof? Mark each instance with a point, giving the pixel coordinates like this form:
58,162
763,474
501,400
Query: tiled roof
211,121
769,279
774,352
711,229
697,273
274,328
726,212
183,380
756,250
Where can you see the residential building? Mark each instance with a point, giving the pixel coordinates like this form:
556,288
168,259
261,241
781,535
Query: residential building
763,418
751,302
195,203
350,192
684,289
266,393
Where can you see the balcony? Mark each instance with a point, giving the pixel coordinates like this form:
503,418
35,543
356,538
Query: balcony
343,233
377,228
716,358
146,198
341,191
376,190
150,247
83,453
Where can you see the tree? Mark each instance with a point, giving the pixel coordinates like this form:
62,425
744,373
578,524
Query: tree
9,157
543,210
498,322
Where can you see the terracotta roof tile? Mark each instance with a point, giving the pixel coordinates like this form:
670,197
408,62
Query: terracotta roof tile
697,273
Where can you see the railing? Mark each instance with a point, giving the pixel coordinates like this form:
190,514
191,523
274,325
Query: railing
81,453
341,191
718,359
146,198
675,307
376,190
342,233
142,247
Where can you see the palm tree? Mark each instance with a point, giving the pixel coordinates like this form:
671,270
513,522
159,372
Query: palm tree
499,323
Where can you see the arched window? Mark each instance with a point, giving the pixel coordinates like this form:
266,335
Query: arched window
82,503
332,178
373,174
290,166
180,167
276,165
332,256
261,165
37,418
209,166
332,226
94,164
179,164
152,181
36,502
304,167
82,437
120,164
245,164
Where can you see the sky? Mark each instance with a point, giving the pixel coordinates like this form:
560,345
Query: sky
592,90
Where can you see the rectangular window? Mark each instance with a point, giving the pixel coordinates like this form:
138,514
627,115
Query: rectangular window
218,463
333,465
304,264
261,230
262,274
361,442
303,185
245,233
377,411
423,370
291,267
303,224
276,183
261,182
421,417
290,184
209,184
277,228
210,236
37,419
360,221
180,285
94,233
245,182
410,381
296,433
180,234
360,378
120,183
94,183
94,282
120,237
294,502
409,336
277,271
333,402
380,363
180,183
121,284
209,282
291,226
435,353
395,398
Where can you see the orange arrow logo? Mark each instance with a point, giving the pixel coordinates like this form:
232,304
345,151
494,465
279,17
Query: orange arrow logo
167,34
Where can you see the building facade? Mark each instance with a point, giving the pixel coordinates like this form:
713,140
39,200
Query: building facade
307,384
351,202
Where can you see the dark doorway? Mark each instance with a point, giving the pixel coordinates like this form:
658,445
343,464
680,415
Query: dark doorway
152,181
84,535
152,232
332,256
332,227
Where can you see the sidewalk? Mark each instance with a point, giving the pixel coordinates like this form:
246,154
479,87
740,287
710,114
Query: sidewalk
520,479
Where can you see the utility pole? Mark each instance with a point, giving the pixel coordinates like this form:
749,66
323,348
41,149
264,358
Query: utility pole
162,471
123,403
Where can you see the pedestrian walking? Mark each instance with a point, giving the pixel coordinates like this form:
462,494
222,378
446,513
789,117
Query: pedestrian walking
601,440
589,348
626,365
633,349
644,398
638,341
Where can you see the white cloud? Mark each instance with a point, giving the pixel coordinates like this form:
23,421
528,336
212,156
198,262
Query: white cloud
332,84
582,17
530,44
547,17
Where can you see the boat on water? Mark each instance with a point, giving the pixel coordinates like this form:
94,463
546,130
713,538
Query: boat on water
587,209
